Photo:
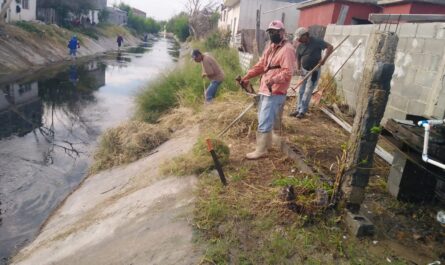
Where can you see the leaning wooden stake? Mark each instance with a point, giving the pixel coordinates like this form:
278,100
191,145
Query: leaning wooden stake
373,96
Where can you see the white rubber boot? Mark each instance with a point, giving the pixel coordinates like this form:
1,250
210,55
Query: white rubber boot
262,140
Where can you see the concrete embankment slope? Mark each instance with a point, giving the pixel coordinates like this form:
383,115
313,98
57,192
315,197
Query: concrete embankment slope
128,215
39,45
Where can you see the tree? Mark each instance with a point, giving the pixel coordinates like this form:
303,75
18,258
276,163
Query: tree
179,25
139,24
4,9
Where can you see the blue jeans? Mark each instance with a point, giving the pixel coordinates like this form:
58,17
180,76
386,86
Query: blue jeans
306,93
73,52
268,111
212,89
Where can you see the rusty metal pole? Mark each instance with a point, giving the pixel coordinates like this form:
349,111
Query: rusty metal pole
373,96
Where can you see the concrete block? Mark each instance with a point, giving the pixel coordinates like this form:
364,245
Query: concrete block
398,102
434,46
431,62
346,30
417,61
424,94
415,45
408,30
401,45
355,30
329,29
416,108
359,225
410,76
392,113
426,30
425,78
337,30
350,98
439,113
366,30
440,31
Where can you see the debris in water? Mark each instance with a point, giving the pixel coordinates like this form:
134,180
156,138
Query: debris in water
375,242
389,260
435,263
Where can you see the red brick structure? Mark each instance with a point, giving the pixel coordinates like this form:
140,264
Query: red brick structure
350,12
412,6
325,12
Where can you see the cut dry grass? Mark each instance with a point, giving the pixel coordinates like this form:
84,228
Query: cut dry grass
127,143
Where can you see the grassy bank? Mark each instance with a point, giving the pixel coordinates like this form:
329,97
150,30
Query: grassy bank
253,220
185,87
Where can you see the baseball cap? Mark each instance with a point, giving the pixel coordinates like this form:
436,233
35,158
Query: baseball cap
196,53
276,24
300,32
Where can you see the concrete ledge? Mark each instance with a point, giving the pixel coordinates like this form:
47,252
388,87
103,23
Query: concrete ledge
289,152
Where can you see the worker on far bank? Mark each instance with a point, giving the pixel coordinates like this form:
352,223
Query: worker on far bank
276,67
73,45
211,70
308,57
119,41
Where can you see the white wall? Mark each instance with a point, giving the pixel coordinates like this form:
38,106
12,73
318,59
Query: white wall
25,14
229,19
417,86
248,14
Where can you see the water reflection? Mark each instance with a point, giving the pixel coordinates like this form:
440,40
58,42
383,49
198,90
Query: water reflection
21,109
49,124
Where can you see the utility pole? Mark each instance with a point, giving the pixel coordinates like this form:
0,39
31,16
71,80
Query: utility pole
373,96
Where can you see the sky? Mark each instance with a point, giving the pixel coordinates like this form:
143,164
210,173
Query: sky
157,9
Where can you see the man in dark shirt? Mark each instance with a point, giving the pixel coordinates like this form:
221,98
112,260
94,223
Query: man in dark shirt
308,57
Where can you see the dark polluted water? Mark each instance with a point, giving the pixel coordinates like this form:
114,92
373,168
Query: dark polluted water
49,127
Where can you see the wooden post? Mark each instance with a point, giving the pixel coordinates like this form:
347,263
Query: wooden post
373,96
257,50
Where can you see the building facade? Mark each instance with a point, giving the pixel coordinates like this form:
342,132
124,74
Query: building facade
138,13
117,16
21,10
237,15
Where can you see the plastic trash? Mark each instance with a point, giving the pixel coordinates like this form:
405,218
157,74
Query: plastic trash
441,217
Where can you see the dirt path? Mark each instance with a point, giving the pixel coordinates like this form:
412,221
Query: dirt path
127,215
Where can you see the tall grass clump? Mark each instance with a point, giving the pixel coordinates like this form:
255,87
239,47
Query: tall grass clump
185,86
29,27
127,143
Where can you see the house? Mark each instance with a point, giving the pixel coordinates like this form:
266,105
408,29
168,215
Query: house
97,7
341,12
21,109
412,6
20,10
47,11
237,15
138,12
117,16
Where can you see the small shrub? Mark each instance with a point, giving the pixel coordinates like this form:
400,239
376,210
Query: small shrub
218,40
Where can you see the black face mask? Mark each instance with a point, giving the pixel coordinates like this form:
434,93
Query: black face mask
275,37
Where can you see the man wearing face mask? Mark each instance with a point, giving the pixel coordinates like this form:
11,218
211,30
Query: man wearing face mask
276,67
308,56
